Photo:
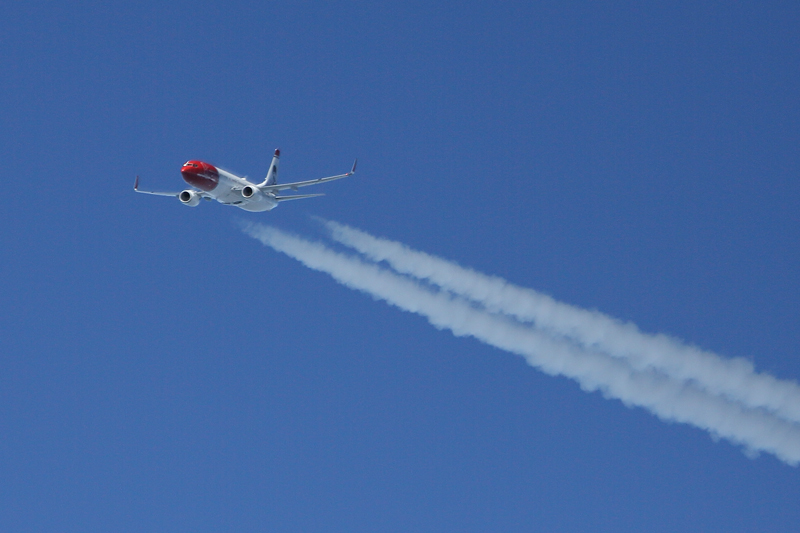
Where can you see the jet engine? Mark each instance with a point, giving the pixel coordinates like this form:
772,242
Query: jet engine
249,191
190,198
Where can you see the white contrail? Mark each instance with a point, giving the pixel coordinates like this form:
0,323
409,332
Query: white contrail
669,399
733,378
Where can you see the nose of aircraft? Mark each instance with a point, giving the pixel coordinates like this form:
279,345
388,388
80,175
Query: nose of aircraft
189,171
201,175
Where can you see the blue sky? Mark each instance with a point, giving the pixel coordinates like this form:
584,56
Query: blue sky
161,370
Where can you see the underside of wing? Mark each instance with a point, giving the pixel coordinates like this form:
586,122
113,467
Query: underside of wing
157,193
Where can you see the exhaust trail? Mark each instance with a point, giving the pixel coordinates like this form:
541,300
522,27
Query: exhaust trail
735,379
669,399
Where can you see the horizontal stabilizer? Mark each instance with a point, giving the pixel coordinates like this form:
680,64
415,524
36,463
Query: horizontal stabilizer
297,197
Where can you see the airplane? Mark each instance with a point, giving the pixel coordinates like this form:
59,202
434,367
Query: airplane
212,183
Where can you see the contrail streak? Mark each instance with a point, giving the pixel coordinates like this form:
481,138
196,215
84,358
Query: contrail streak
667,398
735,379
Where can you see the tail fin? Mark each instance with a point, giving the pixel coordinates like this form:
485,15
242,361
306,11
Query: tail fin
272,174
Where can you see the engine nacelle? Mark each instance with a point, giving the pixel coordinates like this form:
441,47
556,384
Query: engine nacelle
255,199
190,198
249,191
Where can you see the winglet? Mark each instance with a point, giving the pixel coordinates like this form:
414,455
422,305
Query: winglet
136,184
353,170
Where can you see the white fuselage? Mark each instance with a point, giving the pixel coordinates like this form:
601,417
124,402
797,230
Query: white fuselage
227,188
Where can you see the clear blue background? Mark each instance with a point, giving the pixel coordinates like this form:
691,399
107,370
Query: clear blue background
161,371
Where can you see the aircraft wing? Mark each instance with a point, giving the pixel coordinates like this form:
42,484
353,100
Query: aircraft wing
137,189
294,186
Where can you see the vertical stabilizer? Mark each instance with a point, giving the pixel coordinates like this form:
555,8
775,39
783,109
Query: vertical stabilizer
272,174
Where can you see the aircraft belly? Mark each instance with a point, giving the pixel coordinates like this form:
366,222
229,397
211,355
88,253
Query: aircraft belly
229,196
264,203
229,192
226,192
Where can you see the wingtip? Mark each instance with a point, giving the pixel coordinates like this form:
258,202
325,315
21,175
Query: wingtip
136,184
353,170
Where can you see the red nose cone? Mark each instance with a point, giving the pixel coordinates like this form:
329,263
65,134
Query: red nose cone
201,175
277,152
